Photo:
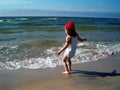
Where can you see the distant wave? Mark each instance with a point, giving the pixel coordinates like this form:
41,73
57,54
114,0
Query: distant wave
11,20
1,20
54,18
96,28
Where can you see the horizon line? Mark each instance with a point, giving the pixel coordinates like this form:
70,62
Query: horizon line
32,12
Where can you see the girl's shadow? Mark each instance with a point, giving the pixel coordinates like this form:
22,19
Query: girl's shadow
95,73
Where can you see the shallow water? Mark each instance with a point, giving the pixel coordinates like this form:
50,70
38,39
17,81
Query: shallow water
32,42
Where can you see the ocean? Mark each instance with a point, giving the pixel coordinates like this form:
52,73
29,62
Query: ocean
32,42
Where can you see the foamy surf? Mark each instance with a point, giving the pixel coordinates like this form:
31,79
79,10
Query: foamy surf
86,52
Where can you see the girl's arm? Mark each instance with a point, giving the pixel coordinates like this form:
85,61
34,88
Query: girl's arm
81,39
68,40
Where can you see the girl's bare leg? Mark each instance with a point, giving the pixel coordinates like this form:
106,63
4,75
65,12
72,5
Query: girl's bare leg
69,64
64,61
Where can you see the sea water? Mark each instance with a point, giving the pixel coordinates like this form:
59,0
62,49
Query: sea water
32,42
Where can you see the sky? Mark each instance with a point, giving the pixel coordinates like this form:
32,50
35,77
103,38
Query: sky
103,8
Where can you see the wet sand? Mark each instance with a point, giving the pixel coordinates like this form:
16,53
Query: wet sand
97,75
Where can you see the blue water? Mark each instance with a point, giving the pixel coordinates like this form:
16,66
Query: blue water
32,42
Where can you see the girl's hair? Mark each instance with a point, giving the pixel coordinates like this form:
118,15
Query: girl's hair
72,33
70,27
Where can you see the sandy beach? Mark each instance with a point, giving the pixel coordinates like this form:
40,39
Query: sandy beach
97,75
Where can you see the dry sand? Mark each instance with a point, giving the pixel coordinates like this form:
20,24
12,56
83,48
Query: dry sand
97,75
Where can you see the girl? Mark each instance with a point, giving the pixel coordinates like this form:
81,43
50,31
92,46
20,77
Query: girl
70,46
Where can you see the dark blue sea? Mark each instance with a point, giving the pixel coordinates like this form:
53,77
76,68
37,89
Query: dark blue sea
32,42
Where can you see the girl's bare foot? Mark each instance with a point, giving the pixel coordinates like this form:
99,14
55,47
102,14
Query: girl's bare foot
65,72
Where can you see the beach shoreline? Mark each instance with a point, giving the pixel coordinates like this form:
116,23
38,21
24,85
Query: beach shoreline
97,75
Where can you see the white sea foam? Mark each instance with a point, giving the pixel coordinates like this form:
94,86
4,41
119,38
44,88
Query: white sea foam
33,63
86,52
21,19
1,20
52,18
9,46
49,19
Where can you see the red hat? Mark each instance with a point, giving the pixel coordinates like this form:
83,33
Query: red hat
70,25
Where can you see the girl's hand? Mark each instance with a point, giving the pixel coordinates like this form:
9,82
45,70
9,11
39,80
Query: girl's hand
84,39
58,53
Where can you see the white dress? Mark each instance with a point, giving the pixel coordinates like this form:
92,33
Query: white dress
71,49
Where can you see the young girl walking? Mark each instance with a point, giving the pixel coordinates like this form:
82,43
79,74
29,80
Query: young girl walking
70,46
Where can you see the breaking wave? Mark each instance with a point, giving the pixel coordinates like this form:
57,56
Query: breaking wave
86,52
